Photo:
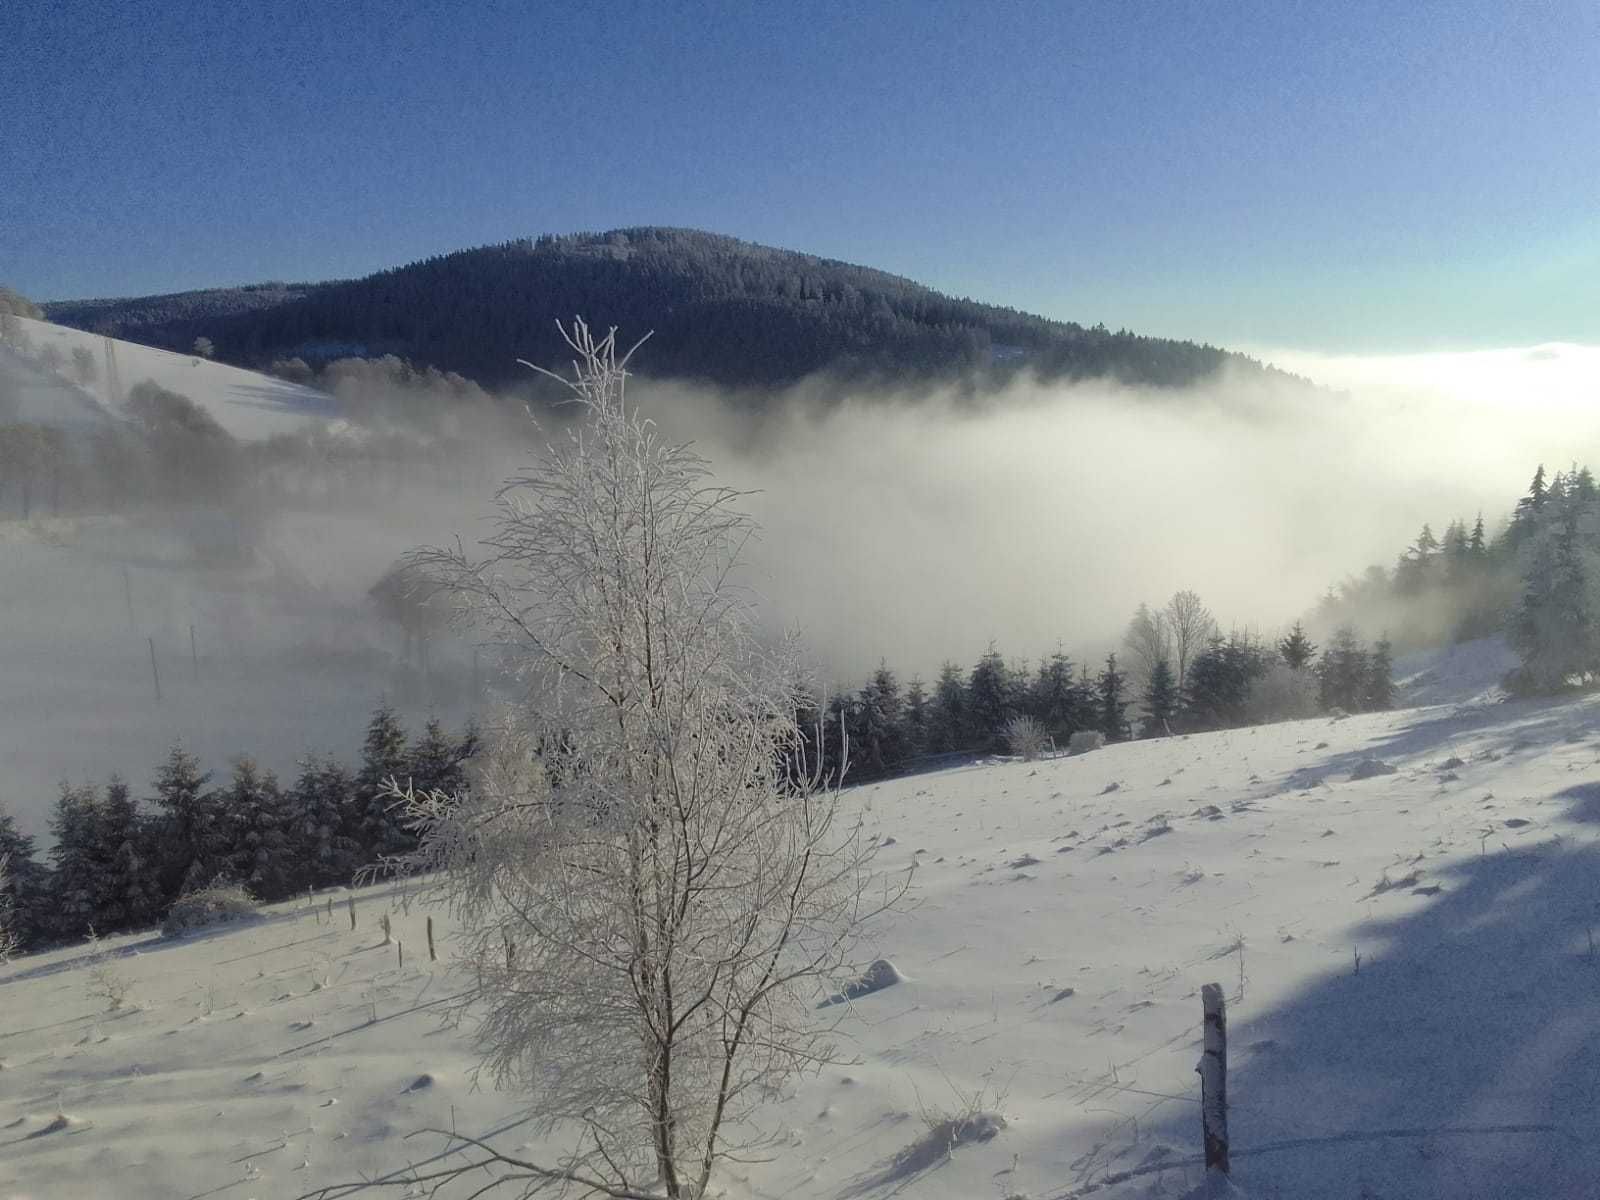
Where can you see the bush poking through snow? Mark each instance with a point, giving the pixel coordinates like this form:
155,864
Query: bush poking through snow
214,905
1371,768
1026,737
105,981
1085,740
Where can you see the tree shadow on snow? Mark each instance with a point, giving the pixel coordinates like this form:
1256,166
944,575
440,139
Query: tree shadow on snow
1478,1011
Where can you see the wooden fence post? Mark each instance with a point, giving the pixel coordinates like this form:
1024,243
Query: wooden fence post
352,903
431,956
1213,1071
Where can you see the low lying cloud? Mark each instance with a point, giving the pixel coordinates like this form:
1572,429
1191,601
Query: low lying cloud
915,527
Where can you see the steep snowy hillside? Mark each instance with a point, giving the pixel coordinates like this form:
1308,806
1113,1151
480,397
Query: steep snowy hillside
1414,993
247,404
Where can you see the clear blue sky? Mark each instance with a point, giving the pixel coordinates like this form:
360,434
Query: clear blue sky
1329,175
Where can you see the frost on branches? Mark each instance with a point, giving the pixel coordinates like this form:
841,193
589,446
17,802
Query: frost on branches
654,899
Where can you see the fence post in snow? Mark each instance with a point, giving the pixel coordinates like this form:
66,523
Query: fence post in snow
1213,1071
431,956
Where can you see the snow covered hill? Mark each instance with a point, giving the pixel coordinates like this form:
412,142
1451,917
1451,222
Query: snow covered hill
1414,993
247,404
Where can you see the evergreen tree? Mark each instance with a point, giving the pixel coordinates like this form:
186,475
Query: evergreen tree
1111,708
384,756
128,895
990,703
947,726
1554,625
918,713
1477,544
1160,700
319,817
1058,702
1297,650
1379,695
26,891
438,761
1343,674
74,882
879,714
1220,680
258,819
190,837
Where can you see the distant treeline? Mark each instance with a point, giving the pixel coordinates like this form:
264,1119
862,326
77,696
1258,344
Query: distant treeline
723,310
1226,682
1535,580
120,861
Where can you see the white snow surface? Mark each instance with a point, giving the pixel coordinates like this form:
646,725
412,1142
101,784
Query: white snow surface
1049,975
247,404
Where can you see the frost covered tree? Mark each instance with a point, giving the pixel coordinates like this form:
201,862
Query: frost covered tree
947,723
10,941
1297,650
1190,625
1148,641
651,903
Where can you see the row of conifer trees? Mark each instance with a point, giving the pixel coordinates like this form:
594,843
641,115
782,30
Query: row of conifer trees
119,861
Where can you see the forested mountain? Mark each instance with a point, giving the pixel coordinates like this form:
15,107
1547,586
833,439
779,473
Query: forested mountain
723,310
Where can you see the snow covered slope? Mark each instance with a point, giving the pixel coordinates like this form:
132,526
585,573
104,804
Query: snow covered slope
1414,998
247,404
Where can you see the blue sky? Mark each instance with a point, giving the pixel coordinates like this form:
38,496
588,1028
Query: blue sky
1344,177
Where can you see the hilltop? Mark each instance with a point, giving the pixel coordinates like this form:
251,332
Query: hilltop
723,310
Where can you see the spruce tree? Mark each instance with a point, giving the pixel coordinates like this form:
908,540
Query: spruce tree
1160,700
190,837
438,760
1058,701
1111,708
319,819
917,714
1379,693
879,715
1297,650
258,820
947,726
74,881
129,892
989,703
1343,673
384,756
26,890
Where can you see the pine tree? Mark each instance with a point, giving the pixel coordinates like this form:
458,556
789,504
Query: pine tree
879,714
1297,649
947,727
1379,691
1160,700
75,879
1477,543
128,895
319,816
26,889
190,837
438,761
258,819
1111,708
384,756
1058,702
1343,674
989,703
918,712
1554,626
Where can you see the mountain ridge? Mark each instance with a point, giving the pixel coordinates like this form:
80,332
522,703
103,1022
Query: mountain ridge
724,310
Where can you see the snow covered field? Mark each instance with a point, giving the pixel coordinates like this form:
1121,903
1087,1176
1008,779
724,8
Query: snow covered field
247,404
1067,913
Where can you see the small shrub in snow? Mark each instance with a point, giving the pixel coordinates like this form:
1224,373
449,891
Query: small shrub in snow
1085,740
1282,694
213,905
1371,768
1026,737
105,982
